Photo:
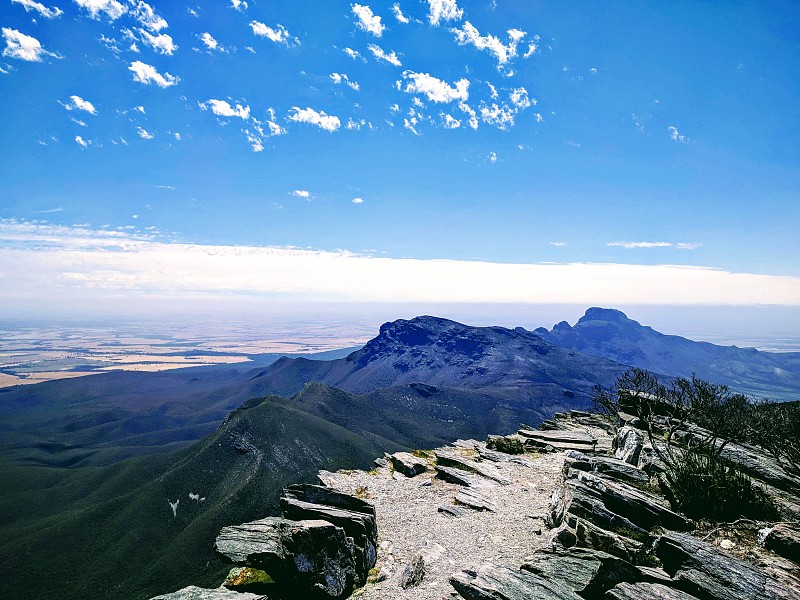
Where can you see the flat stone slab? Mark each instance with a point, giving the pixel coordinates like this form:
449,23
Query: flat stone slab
560,436
471,498
459,477
490,582
647,591
604,465
589,573
408,464
452,510
454,459
195,593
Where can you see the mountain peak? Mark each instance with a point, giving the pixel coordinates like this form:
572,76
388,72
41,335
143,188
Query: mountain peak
604,314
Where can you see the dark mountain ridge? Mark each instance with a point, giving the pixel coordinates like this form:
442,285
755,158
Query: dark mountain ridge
610,334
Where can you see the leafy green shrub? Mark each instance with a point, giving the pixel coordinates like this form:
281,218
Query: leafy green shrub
508,444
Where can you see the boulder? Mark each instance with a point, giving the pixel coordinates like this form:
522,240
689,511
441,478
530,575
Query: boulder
413,572
702,569
508,444
311,555
590,535
784,540
628,445
452,510
247,579
559,439
586,572
490,582
646,591
408,464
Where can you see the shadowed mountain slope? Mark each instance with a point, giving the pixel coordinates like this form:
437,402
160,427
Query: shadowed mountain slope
610,334
110,531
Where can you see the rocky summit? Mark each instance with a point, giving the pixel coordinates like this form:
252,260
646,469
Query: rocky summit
584,519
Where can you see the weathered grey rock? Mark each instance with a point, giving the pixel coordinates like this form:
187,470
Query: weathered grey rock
559,439
408,464
647,591
704,570
460,477
354,515
606,466
490,582
586,572
471,498
644,509
590,535
308,555
258,544
380,462
561,537
196,593
447,458
628,445
784,540
486,453
452,510
585,503
413,573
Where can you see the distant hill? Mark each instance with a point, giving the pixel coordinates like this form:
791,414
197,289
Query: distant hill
513,363
611,334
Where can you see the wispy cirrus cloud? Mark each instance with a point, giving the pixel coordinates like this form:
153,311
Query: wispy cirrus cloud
41,9
632,245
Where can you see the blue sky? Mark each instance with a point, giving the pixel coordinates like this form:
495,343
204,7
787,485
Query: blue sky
629,143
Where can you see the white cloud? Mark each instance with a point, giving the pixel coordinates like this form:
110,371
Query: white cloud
24,47
82,142
687,245
239,5
675,135
305,194
450,122
209,41
111,8
391,57
558,244
139,109
532,48
222,108
504,53
279,35
398,14
367,21
630,245
144,13
351,53
144,134
339,78
473,116
501,117
519,98
358,201
147,74
32,5
312,117
161,43
82,265
492,157
78,103
444,10
435,89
